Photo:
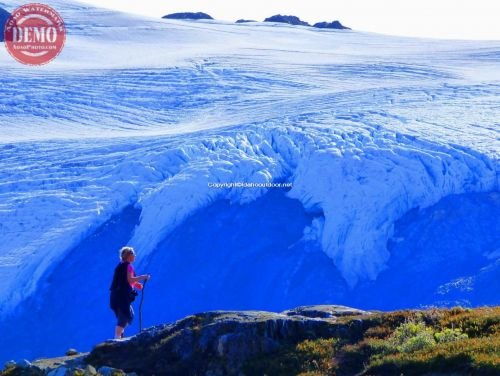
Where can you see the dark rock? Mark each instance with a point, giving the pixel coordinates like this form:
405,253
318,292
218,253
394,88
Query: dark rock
188,16
324,311
108,371
72,352
10,364
4,16
243,21
61,371
292,20
219,342
331,25
57,366
24,364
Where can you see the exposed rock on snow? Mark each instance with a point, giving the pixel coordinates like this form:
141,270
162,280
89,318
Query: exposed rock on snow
331,25
188,16
292,20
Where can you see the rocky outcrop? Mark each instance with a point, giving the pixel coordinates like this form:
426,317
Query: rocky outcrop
244,21
292,20
73,365
324,311
331,25
218,343
212,343
188,16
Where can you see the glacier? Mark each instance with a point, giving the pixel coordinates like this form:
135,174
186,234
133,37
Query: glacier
391,146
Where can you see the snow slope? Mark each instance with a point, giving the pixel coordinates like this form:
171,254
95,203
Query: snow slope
137,116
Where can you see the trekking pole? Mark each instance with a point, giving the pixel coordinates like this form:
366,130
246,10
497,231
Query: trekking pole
140,305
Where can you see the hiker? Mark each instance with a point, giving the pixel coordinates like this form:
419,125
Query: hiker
122,290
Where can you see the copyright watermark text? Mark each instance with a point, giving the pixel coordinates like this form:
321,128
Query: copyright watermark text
249,185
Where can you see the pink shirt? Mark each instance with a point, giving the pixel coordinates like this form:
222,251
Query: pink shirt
130,269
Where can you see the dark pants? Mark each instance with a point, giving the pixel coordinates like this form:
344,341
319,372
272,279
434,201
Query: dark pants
120,304
124,316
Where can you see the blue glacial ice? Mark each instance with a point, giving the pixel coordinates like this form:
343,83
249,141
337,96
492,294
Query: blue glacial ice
391,146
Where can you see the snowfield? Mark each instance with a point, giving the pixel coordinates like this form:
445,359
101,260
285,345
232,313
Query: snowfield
117,141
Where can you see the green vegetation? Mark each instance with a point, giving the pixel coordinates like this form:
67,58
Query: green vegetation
454,341
409,337
450,335
307,358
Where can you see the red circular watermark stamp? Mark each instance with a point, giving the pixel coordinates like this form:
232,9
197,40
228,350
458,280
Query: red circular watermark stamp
34,34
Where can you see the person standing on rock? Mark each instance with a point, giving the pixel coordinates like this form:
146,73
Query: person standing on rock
122,290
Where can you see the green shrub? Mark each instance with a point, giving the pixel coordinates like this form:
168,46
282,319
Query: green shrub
450,335
411,336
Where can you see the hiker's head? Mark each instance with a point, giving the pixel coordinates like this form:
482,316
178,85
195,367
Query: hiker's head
127,254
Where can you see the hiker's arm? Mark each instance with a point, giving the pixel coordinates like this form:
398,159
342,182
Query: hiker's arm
138,286
131,279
